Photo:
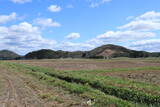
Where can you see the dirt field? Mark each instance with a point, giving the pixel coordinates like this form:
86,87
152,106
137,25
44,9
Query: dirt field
144,76
151,76
84,64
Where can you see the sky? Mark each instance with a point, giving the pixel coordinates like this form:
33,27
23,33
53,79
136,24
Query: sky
71,25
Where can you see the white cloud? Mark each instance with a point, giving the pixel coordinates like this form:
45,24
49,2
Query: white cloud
151,15
121,36
7,18
21,1
46,22
54,8
97,3
151,45
23,37
145,22
73,36
116,37
71,46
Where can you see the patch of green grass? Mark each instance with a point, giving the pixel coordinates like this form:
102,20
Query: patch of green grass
47,96
117,70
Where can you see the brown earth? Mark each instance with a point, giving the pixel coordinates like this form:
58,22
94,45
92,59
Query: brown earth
16,94
19,90
84,64
143,76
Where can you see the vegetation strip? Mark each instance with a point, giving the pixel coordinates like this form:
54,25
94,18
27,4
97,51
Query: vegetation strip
124,93
153,68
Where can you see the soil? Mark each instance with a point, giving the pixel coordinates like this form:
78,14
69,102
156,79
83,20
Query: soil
19,90
84,64
143,76
16,93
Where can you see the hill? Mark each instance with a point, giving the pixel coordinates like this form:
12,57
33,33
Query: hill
105,51
51,54
108,51
42,54
8,55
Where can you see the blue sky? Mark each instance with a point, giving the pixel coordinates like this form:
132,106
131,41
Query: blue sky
27,25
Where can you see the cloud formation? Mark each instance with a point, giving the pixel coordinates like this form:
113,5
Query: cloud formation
21,1
123,36
151,45
146,22
6,18
54,8
73,36
23,37
97,3
46,22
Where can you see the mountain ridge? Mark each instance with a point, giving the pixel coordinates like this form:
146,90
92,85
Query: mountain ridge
105,51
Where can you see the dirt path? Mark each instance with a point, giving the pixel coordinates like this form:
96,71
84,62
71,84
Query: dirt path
21,90
17,93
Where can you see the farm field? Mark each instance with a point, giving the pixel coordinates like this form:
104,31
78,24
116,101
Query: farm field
80,53
121,82
146,67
